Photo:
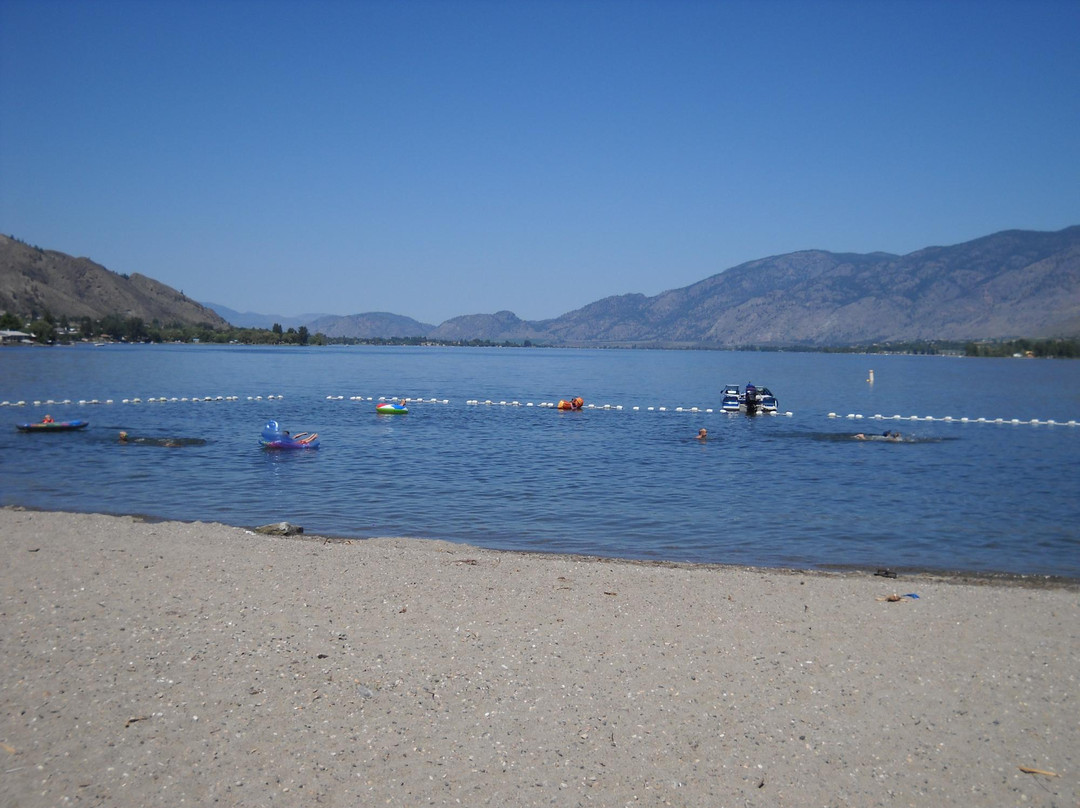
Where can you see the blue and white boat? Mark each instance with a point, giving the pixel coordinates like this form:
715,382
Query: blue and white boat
753,400
731,399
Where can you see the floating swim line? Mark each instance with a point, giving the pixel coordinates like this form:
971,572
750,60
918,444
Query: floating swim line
948,419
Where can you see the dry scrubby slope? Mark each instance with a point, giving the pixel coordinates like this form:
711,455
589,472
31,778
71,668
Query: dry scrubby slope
33,281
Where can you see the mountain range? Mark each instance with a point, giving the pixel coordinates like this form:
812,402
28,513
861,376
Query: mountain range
1016,283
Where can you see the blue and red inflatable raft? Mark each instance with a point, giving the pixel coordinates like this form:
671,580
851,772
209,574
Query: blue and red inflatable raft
274,437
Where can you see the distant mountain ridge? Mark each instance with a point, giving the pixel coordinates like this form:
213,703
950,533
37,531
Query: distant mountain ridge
1016,283
250,319
368,326
1010,284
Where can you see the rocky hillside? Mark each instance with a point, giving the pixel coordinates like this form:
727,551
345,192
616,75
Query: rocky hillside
1011,284
33,281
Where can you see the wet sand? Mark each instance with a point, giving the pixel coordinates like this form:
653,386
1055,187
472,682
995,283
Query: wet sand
197,664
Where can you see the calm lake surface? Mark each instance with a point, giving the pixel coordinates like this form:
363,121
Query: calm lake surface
789,491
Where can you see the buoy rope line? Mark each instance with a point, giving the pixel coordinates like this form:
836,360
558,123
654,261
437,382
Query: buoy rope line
475,402
83,402
948,419
408,399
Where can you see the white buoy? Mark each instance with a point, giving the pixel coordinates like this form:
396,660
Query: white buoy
871,379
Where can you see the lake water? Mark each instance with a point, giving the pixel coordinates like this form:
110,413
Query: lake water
628,481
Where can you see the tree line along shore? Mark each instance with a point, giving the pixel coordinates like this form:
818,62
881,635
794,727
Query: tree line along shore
46,329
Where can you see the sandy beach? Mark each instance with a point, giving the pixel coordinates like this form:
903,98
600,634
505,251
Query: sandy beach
198,664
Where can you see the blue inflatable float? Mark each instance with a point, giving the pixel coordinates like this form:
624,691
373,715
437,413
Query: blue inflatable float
274,437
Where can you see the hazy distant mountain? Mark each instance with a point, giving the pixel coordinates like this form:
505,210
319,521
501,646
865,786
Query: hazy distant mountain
34,281
367,326
498,327
250,319
1016,283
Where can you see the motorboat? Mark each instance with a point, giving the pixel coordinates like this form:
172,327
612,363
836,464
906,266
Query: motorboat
752,401
731,399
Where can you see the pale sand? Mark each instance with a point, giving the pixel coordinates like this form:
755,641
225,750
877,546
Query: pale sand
196,664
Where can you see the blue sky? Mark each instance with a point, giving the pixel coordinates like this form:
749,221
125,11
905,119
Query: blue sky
434,159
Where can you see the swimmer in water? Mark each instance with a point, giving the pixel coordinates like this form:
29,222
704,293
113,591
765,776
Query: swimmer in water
168,443
702,434
895,437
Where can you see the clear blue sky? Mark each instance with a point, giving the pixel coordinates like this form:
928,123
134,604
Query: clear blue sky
442,158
